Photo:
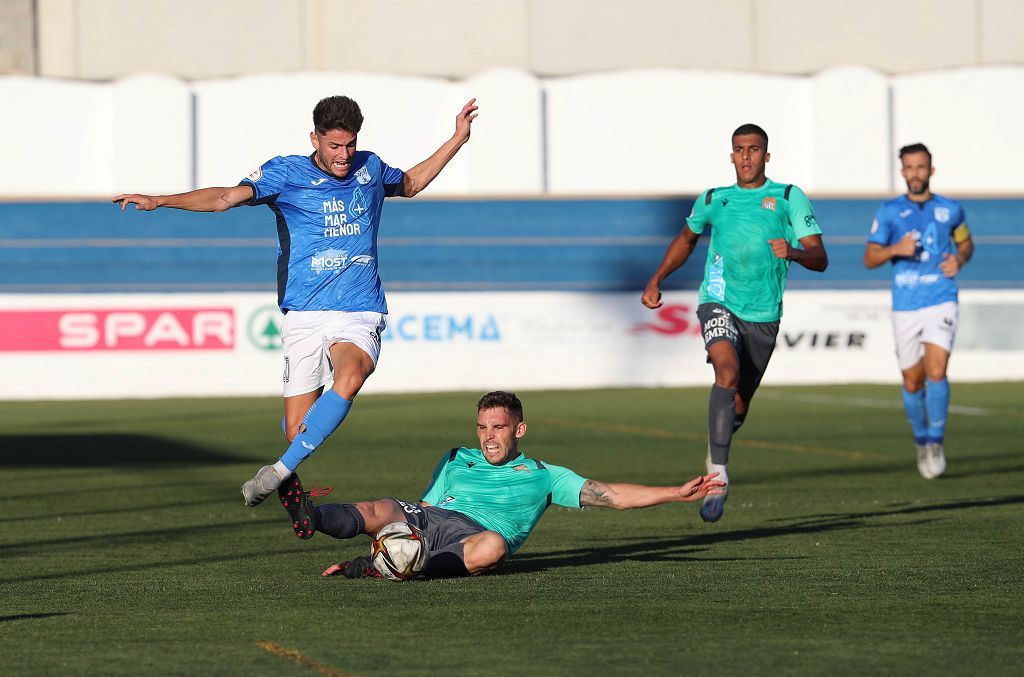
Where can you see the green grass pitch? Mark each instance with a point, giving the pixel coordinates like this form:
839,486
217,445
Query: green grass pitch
126,548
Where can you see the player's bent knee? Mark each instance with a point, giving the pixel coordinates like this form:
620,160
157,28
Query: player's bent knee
379,514
484,551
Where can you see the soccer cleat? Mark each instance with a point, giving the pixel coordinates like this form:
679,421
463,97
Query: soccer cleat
712,507
936,458
360,567
263,484
924,465
300,508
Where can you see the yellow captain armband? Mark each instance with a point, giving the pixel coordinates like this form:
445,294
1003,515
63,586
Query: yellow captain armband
961,233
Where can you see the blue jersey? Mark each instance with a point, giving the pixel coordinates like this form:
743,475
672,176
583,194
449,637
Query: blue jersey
918,282
327,230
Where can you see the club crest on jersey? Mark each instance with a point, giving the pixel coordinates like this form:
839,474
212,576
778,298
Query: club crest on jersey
520,468
768,203
362,176
942,214
256,175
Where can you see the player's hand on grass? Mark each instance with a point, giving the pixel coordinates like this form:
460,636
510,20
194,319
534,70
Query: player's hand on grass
333,570
906,247
701,486
145,203
652,295
950,265
464,119
781,248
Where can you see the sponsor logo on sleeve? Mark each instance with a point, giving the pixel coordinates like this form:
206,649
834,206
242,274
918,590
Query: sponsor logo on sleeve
256,175
874,226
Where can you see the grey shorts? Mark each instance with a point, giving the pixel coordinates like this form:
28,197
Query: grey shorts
754,341
441,528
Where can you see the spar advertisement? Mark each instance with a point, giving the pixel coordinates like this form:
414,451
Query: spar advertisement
166,345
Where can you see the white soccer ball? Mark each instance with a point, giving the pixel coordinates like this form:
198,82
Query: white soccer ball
399,551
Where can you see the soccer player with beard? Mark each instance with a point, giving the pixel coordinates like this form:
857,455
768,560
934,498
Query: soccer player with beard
757,227
481,504
328,207
926,238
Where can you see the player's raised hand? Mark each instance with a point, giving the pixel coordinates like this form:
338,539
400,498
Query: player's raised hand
906,247
781,248
701,486
950,265
145,203
464,119
652,295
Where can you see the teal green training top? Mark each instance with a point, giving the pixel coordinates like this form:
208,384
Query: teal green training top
741,272
508,498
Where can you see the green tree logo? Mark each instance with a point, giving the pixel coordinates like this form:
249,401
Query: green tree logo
265,328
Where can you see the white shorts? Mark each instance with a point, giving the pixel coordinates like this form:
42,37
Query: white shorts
308,335
913,328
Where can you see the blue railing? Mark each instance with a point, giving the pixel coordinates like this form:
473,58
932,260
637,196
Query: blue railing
550,244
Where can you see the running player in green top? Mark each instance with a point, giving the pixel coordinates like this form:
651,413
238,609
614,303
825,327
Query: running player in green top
757,227
480,504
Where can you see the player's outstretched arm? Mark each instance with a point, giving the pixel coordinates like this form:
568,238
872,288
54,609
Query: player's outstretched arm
812,257
623,496
675,256
420,176
876,254
201,200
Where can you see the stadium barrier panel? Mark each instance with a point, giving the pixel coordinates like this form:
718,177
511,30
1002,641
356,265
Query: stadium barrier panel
87,346
639,132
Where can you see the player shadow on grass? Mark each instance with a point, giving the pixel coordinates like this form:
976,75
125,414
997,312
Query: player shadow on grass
25,617
99,450
690,549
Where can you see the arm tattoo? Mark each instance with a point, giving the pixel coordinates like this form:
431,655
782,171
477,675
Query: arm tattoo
595,493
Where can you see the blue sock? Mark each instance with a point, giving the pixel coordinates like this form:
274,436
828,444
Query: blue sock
321,420
913,404
937,399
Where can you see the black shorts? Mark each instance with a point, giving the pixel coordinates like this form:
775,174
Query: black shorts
754,341
441,528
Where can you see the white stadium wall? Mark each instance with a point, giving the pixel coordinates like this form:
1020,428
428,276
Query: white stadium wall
651,132
970,121
120,346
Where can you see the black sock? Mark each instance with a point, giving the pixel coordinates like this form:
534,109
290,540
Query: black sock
447,562
721,422
341,520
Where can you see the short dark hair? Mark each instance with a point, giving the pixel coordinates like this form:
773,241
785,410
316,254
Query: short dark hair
916,148
751,128
507,401
337,112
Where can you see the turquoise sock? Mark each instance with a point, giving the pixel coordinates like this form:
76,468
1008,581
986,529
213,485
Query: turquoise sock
322,419
937,402
917,415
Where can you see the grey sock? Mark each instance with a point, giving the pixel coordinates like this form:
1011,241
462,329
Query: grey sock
721,422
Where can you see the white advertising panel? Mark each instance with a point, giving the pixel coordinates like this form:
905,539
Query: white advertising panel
126,346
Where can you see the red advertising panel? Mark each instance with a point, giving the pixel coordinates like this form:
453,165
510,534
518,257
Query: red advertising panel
117,329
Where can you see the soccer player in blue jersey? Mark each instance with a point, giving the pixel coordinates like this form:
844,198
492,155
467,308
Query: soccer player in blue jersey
926,238
328,207
481,504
